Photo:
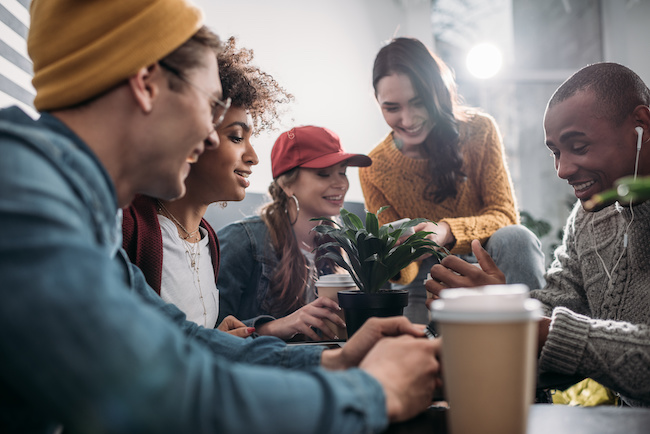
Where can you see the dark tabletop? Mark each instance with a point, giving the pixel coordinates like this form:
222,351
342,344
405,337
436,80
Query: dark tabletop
547,418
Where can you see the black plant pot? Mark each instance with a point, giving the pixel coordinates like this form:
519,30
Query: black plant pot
359,306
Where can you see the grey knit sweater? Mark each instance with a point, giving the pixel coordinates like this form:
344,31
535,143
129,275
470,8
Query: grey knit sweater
601,326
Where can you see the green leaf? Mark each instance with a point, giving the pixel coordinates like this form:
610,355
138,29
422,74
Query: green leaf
324,229
370,253
372,224
340,262
380,210
415,222
351,220
327,219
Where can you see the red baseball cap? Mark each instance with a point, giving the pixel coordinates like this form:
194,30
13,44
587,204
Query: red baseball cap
311,147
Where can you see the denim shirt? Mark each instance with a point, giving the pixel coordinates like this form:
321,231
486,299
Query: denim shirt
86,344
248,261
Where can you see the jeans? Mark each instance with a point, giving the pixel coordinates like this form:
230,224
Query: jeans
515,250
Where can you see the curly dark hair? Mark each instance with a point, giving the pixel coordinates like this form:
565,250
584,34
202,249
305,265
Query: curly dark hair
249,87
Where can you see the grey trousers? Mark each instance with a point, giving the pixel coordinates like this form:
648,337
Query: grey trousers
515,250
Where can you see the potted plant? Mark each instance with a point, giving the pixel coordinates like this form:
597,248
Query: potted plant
626,190
372,255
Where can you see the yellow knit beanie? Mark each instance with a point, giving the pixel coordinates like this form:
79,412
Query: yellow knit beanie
82,48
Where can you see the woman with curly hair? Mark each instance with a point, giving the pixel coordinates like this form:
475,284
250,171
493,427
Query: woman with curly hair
269,265
170,241
446,163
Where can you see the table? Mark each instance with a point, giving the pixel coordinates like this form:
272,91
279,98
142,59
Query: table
547,419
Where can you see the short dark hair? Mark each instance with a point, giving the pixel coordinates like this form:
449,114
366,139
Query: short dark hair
618,89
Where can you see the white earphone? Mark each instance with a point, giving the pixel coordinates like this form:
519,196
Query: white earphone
639,142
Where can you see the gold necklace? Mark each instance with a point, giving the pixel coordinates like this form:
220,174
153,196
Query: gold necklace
189,234
193,251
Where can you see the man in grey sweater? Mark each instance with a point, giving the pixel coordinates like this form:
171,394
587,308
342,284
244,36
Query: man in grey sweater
597,297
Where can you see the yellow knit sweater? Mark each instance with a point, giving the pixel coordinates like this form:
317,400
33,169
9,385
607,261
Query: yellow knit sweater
485,201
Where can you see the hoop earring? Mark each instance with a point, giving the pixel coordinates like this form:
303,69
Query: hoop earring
223,204
286,210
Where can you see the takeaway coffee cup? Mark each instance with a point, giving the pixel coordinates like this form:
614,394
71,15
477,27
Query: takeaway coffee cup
328,286
398,224
489,348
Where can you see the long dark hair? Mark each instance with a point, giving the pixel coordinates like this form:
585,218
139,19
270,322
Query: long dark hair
433,81
292,274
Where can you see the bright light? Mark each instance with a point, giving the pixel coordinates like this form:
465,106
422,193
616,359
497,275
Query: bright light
484,60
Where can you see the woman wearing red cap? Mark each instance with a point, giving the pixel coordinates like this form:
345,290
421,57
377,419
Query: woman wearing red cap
170,241
443,162
268,268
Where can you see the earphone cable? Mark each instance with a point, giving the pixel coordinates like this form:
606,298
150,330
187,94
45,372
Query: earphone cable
608,273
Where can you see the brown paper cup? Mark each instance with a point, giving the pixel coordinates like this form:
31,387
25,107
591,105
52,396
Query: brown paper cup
489,342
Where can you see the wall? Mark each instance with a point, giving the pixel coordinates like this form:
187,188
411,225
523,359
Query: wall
626,32
551,42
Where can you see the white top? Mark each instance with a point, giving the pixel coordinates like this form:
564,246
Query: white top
180,284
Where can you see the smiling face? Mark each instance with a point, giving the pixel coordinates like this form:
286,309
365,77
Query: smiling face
222,173
590,152
320,192
183,129
403,110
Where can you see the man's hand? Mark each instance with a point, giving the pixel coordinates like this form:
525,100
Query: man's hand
232,325
453,272
304,320
408,370
358,346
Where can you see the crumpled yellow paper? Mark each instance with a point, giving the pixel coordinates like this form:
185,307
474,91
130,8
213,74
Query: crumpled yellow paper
587,393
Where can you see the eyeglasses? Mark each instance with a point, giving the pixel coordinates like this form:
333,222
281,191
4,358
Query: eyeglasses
218,107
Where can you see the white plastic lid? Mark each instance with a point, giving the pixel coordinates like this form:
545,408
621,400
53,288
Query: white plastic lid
335,280
494,303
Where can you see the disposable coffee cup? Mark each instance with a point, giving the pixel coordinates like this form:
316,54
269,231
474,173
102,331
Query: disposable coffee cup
489,349
424,282
328,286
398,224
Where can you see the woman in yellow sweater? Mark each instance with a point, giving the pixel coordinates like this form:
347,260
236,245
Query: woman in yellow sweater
443,162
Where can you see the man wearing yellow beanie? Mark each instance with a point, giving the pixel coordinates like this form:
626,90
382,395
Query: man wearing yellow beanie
129,95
